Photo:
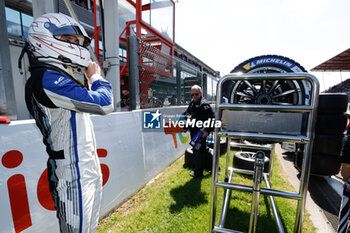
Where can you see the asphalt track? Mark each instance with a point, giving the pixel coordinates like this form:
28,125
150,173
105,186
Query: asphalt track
324,194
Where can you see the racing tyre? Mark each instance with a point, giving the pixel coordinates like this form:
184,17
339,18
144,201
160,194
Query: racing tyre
260,142
267,152
245,160
223,146
321,164
252,143
327,144
331,124
279,92
332,103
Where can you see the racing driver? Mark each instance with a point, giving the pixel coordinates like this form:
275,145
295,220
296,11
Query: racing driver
61,107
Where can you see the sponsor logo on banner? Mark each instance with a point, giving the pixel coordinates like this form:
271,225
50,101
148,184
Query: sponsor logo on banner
17,189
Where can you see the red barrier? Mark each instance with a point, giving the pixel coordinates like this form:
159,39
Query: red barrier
4,120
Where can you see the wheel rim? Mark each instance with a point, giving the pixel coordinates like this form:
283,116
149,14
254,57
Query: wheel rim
275,92
248,155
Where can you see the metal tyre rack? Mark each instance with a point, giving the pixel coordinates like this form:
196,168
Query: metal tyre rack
303,137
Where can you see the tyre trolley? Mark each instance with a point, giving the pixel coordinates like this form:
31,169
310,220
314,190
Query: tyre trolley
269,122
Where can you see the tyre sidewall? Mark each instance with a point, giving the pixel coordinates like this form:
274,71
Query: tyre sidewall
242,162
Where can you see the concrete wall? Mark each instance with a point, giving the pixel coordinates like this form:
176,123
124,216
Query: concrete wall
129,158
19,81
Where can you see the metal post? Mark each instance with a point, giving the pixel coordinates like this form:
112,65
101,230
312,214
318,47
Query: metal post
178,83
258,173
111,19
304,180
226,202
341,76
271,162
228,156
138,7
5,67
273,206
97,35
214,180
133,69
305,172
215,169
324,84
204,84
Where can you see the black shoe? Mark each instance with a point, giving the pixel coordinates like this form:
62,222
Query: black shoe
194,176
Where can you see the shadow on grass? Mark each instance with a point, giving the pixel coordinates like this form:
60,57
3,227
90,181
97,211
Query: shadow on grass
239,221
189,194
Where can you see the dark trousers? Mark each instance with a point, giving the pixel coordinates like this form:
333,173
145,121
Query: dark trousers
199,158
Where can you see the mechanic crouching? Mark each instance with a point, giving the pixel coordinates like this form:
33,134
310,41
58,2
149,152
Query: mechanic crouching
199,110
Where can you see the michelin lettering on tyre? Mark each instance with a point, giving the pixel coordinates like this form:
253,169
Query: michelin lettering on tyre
273,60
269,61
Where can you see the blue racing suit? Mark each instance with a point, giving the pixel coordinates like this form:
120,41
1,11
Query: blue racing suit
61,109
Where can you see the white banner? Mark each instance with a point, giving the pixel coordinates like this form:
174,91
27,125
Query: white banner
130,156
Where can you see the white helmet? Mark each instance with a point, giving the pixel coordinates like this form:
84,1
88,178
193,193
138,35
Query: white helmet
46,35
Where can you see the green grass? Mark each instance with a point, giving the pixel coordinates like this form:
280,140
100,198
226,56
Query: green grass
174,202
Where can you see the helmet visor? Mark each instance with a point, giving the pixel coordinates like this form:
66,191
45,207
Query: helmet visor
70,30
